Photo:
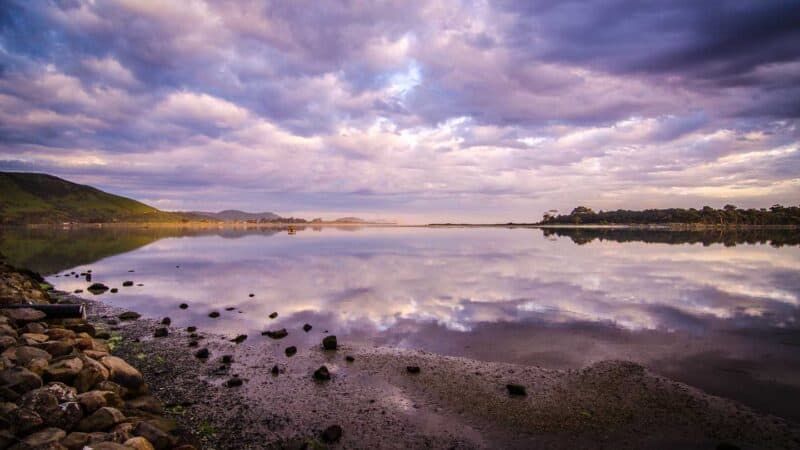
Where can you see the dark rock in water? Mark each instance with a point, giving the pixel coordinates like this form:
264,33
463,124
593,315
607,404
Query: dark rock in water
88,277
349,358
194,336
307,328
193,343
97,288
183,306
227,359
239,339
277,334
332,434
275,370
290,351
516,389
191,329
252,295
213,314
77,291
127,283
161,332
234,382
129,315
322,374
273,315
329,343
412,369
140,284
114,290
230,308
166,321
203,353
131,271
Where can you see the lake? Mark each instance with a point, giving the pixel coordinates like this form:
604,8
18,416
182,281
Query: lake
718,311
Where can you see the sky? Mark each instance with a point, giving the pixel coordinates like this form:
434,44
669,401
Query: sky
416,111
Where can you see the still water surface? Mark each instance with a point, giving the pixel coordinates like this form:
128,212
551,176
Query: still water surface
719,312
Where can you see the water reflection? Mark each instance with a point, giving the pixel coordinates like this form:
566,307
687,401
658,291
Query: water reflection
724,318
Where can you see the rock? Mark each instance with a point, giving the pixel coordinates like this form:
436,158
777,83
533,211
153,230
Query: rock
108,445
322,374
56,403
37,366
203,353
19,379
193,343
93,400
145,403
277,334
34,327
114,290
95,354
155,435
112,387
102,419
183,306
122,373
103,334
234,382
332,434
8,330
24,354
6,342
139,443
75,440
90,375
412,369
23,315
45,439
213,314
239,339
273,315
275,370
127,283
227,359
77,291
97,288
161,332
290,351
230,308
516,389
64,370
191,329
58,334
24,420
34,338
59,348
129,315
307,328
329,343
166,321
349,358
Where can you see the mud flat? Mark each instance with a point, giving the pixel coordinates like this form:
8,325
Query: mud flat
253,395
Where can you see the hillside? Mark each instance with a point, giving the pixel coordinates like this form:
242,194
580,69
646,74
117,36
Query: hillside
35,198
230,215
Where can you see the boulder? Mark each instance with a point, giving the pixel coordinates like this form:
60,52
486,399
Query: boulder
122,373
19,379
156,436
23,420
37,366
139,443
290,351
97,288
45,439
59,348
161,332
329,343
145,403
64,370
322,374
102,419
127,283
23,315
35,327
92,373
60,333
75,440
516,390
7,342
24,354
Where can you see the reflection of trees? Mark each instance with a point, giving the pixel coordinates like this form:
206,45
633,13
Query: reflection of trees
727,237
50,250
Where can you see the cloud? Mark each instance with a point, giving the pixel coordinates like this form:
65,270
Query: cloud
480,110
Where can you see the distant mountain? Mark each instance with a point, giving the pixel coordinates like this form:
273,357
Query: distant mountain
36,198
230,215
350,220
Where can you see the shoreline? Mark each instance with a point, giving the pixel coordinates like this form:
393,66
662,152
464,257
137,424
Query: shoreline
450,402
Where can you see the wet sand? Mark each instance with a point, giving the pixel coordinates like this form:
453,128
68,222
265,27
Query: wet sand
451,403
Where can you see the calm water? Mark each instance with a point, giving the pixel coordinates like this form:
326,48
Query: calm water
716,311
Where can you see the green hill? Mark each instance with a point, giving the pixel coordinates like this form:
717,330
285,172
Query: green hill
35,198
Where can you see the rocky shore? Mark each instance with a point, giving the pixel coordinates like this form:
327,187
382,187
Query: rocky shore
123,381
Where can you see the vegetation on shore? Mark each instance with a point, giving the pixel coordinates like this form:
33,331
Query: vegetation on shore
728,216
36,198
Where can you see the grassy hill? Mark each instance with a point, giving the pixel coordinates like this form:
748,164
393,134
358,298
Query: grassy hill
35,198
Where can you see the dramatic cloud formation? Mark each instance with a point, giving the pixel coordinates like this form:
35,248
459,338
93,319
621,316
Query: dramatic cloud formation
445,110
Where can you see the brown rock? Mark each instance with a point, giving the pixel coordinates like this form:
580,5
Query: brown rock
60,333
92,373
93,400
19,380
37,366
113,387
24,354
75,440
109,445
7,330
45,439
64,370
6,342
35,327
23,315
102,419
145,403
157,437
122,373
59,348
139,443
35,338
24,420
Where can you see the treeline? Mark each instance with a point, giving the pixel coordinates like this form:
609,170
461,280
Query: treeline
707,237
728,216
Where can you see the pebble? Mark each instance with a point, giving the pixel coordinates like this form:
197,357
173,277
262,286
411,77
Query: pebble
322,374
329,343
203,353
290,351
